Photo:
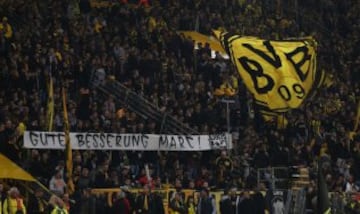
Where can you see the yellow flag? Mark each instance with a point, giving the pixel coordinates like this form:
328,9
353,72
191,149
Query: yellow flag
279,74
329,80
68,150
50,106
282,122
201,38
278,119
10,170
146,203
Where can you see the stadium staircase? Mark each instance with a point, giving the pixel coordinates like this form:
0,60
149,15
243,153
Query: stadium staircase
299,182
292,180
141,106
301,179
298,203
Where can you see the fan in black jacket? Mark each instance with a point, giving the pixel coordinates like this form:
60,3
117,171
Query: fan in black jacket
145,202
246,205
37,203
229,202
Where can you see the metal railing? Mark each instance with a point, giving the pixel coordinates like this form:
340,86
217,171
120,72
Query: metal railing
276,177
142,107
299,201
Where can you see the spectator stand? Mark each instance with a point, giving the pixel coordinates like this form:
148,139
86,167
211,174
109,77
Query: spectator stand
166,195
141,106
326,119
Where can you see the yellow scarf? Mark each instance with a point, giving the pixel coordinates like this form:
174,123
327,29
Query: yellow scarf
41,205
146,203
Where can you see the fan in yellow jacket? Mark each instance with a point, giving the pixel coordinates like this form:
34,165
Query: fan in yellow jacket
5,28
13,204
229,86
58,205
58,210
191,208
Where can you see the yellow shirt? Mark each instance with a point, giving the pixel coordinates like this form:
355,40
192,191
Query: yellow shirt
173,212
98,26
151,24
21,128
316,124
11,206
7,30
58,210
191,209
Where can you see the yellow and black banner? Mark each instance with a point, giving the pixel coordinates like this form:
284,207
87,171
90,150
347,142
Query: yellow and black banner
280,74
68,150
201,38
50,106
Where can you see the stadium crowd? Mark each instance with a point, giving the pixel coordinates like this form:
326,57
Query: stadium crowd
137,44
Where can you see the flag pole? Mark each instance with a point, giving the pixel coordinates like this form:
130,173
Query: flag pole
323,203
68,150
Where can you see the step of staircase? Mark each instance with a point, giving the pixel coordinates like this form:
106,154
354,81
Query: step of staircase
142,107
301,180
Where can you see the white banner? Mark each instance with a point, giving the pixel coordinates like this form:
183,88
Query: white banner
138,142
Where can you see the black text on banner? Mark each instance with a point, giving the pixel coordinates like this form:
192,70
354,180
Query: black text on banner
137,142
